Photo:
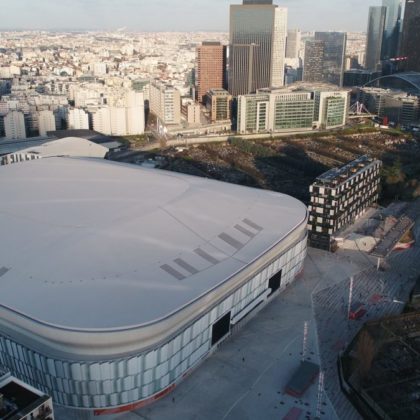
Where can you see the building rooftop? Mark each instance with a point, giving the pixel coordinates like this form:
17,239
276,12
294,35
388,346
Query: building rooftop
337,176
93,244
18,399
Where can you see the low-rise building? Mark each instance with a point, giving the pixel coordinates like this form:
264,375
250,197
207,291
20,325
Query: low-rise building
191,112
339,197
219,102
272,110
19,401
331,108
397,106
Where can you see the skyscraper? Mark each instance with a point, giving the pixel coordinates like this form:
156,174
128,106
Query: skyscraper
375,32
293,43
258,31
313,69
391,38
210,68
334,55
411,35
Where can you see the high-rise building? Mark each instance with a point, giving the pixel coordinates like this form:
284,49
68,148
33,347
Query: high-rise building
375,33
219,102
134,102
46,122
313,69
14,125
101,120
165,102
258,31
411,35
77,119
293,43
391,38
334,55
210,68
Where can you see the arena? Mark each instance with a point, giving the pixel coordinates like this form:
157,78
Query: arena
116,281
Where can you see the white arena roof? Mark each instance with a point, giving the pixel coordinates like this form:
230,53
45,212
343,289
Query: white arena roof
94,245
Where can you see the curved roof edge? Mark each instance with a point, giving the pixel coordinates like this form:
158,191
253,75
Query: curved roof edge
412,78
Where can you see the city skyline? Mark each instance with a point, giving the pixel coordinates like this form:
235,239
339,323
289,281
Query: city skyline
198,15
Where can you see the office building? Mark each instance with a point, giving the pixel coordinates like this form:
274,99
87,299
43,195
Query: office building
411,35
272,110
258,31
77,119
105,332
210,68
375,33
293,43
334,56
20,401
165,102
46,122
313,69
191,112
341,196
391,36
301,108
14,125
219,102
393,105
355,77
331,108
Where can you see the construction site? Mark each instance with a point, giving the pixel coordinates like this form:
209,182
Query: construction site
381,368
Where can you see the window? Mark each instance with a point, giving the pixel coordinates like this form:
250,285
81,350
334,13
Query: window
220,329
274,282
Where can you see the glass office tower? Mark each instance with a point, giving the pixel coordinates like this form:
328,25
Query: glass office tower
375,32
334,55
411,35
258,31
391,38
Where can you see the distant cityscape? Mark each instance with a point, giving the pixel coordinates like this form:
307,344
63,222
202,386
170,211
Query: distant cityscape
210,83
160,189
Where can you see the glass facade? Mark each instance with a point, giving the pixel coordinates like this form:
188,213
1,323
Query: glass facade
335,111
113,383
411,35
334,56
391,37
375,33
294,115
257,47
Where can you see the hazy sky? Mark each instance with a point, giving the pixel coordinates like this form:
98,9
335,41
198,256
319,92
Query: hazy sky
173,15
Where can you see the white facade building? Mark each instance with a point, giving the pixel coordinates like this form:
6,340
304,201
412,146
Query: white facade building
77,119
14,125
135,113
46,122
199,256
165,102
